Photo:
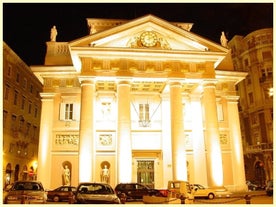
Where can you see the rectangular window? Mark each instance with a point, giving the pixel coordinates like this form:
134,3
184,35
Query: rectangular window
30,107
25,83
69,111
35,113
7,91
144,119
15,97
23,102
250,96
17,77
267,55
5,115
31,88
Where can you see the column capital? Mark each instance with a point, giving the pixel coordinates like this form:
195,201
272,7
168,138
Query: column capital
209,83
123,81
232,98
45,96
86,80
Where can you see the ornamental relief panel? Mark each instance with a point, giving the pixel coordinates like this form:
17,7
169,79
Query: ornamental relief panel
66,140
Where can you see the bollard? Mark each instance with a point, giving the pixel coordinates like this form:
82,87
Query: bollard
247,199
123,198
182,199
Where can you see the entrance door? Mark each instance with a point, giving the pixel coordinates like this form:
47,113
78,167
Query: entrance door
145,172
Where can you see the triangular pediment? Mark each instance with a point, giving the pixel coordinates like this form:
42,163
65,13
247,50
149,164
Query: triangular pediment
133,34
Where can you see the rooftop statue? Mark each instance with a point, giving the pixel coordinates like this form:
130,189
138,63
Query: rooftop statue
223,40
53,33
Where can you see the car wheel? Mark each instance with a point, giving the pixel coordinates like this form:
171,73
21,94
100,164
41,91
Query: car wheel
211,196
56,199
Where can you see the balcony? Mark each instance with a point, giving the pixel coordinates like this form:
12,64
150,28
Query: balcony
258,148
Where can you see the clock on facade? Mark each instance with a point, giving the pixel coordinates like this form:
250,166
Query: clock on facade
148,38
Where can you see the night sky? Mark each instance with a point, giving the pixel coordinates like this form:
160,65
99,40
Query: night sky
26,27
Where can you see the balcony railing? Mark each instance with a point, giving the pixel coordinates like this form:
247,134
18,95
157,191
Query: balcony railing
258,148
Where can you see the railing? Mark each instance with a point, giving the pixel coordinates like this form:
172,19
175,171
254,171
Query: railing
259,148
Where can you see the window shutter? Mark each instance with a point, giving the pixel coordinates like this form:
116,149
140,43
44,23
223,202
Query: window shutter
76,111
62,111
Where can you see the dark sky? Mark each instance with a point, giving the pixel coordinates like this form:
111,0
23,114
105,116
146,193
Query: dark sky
26,26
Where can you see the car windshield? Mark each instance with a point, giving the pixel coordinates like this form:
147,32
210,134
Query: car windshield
27,186
95,189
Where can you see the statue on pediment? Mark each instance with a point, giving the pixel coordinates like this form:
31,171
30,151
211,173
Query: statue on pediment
223,40
53,34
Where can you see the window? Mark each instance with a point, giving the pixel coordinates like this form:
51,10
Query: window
15,97
36,112
17,77
31,88
266,55
30,108
7,91
9,71
144,119
5,115
250,96
24,83
23,102
69,111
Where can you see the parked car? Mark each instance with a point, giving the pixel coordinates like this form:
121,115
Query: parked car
95,193
203,192
252,186
26,192
62,193
179,188
135,190
269,188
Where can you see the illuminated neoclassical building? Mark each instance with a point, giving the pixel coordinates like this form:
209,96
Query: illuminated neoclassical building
146,99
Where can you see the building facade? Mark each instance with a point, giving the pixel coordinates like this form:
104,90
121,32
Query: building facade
21,118
254,54
142,100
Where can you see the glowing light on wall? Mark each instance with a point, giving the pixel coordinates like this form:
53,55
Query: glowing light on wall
216,162
85,157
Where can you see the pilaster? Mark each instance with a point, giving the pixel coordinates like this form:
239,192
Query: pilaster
124,147
86,142
214,156
45,139
179,166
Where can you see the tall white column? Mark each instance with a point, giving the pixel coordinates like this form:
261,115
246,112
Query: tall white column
214,156
199,154
236,143
45,139
179,165
124,148
86,142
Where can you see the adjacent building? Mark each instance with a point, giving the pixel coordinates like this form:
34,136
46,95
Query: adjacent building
254,54
21,118
142,100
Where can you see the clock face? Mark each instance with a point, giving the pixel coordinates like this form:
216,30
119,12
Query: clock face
148,39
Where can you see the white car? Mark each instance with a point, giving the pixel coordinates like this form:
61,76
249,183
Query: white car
202,192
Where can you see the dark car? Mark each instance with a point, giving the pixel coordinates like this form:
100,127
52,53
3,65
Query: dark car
26,192
62,193
95,193
135,190
269,188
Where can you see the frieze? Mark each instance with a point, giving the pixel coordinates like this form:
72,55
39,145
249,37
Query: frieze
93,64
67,139
61,83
